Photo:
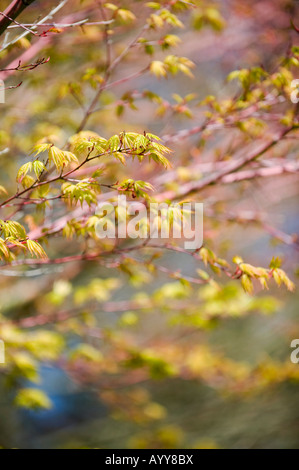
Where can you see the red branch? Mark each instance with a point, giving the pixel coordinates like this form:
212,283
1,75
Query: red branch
12,12
26,68
12,87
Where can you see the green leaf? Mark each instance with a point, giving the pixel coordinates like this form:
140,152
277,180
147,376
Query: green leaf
3,190
158,68
275,263
40,148
33,398
26,168
56,156
36,249
247,283
38,168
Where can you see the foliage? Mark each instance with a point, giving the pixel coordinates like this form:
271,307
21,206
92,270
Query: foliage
84,136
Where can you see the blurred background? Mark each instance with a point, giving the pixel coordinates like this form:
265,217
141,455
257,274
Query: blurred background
174,410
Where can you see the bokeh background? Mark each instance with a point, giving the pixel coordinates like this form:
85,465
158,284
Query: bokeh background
189,413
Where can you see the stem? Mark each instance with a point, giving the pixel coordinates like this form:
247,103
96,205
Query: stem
110,66
12,12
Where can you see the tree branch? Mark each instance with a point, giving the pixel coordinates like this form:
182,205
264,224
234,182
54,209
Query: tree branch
12,12
189,188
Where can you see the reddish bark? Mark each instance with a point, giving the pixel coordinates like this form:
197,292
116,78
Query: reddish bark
13,11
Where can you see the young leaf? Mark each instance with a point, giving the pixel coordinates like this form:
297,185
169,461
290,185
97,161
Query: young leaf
36,249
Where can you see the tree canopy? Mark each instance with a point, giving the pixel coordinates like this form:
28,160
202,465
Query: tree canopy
171,102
